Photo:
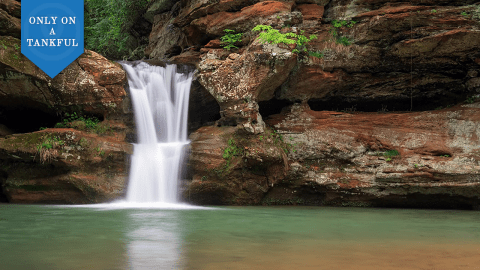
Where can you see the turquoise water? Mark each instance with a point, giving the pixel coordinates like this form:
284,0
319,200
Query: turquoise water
55,237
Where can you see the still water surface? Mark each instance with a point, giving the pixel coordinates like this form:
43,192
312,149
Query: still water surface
57,237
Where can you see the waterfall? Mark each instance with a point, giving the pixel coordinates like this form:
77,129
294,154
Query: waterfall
160,102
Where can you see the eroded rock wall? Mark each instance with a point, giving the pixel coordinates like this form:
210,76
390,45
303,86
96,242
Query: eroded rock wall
58,165
405,74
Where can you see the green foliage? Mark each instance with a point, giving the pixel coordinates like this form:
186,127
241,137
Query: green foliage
107,23
316,54
464,14
232,150
44,147
344,41
230,38
81,122
50,142
100,151
273,36
433,11
336,24
417,165
471,99
277,140
391,153
341,23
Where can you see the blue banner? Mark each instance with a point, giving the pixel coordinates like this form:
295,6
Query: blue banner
52,33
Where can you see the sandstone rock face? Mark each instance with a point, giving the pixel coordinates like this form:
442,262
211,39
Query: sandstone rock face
397,56
59,165
421,159
251,77
76,168
402,56
91,82
390,69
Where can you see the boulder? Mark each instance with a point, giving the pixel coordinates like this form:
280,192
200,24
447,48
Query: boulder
91,83
238,82
63,166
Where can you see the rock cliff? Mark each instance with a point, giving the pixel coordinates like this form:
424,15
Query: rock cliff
381,111
79,164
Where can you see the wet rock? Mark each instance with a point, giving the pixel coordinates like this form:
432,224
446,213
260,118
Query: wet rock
166,39
158,7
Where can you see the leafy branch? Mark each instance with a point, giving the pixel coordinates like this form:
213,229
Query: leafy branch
273,36
230,38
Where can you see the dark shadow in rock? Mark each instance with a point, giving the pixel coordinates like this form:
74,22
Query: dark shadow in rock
427,201
400,103
3,197
24,120
272,106
203,109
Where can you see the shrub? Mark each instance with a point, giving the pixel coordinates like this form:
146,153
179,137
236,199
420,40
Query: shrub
339,24
230,38
232,150
273,36
46,149
107,23
391,153
81,122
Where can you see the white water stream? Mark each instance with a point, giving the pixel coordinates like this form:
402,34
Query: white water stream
160,101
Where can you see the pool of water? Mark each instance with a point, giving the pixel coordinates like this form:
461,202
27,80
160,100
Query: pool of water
60,237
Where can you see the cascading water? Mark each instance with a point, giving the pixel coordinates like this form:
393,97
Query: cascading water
160,101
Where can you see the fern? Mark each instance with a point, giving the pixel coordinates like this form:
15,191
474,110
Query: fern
273,36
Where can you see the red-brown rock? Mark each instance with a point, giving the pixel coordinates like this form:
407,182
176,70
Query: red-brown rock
311,11
80,167
343,159
241,21
91,82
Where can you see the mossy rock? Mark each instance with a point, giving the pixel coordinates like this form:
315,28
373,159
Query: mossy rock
11,55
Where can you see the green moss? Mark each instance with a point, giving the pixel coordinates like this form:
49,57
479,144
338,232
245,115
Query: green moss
13,57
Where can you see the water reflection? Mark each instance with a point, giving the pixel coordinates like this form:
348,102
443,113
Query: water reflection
154,240
33,237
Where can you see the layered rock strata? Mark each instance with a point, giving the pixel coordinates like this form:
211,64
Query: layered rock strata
391,69
58,165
